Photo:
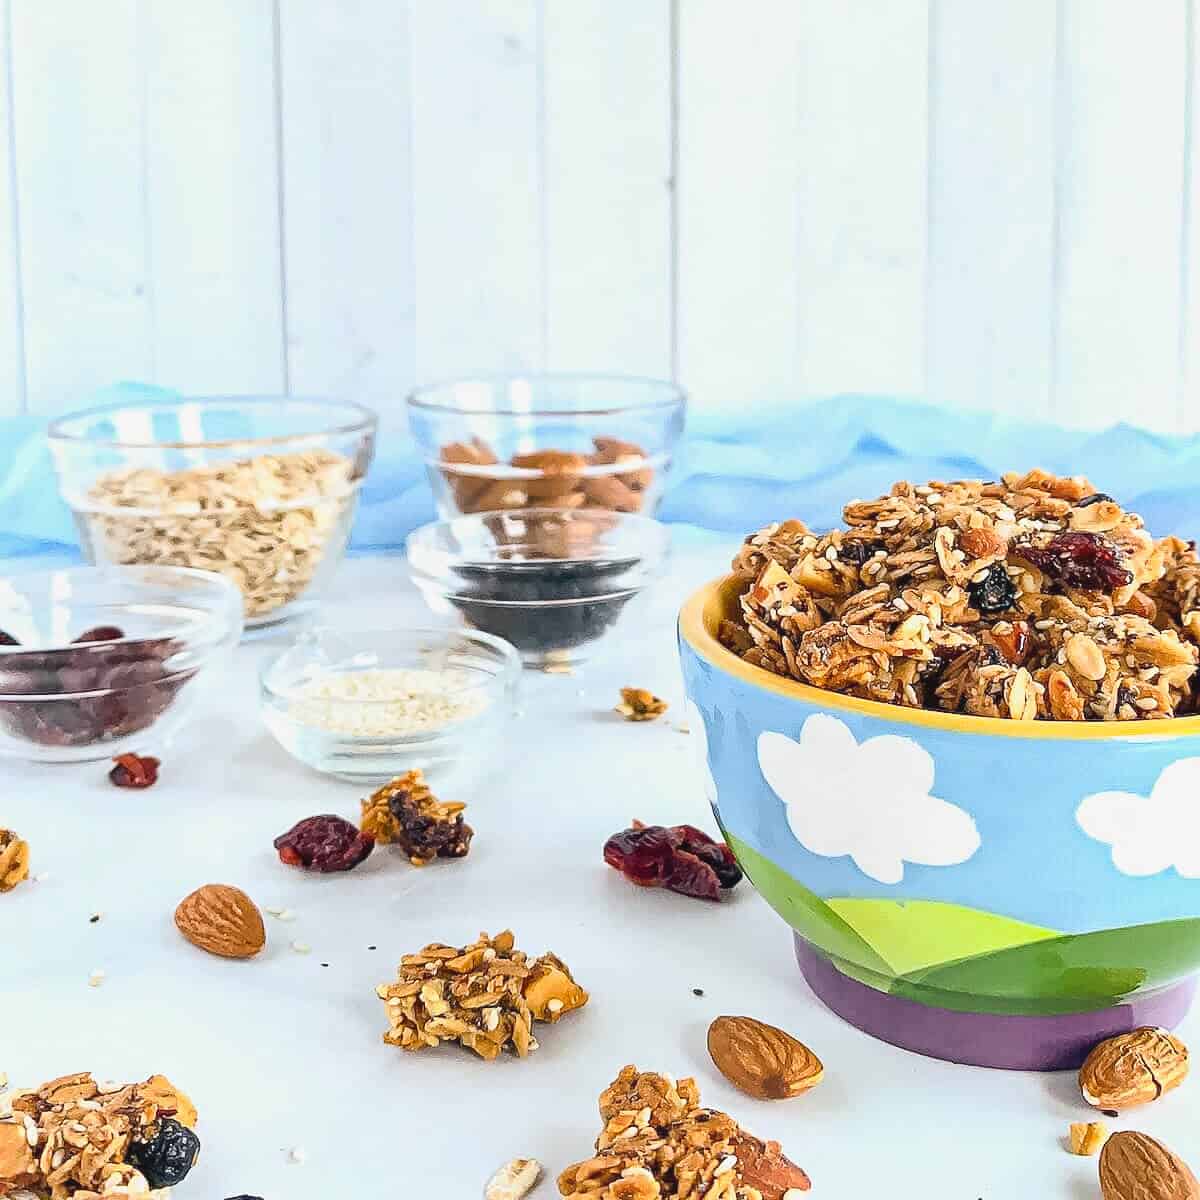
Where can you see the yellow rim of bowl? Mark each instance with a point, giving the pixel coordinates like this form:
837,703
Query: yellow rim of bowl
703,610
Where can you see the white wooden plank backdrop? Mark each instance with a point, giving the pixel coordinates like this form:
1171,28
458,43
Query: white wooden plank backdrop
989,205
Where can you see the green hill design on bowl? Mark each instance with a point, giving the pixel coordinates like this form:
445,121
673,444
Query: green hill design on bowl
951,956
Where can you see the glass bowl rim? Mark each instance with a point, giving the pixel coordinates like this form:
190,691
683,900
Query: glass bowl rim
365,420
214,615
509,659
672,394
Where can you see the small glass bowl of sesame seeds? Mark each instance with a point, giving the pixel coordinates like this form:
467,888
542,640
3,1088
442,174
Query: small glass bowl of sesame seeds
369,705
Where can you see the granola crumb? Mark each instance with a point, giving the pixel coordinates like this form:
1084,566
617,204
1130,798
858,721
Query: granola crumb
637,704
406,812
1086,1138
14,860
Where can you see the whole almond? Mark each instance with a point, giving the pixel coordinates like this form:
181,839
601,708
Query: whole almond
222,920
1133,1068
764,1062
1134,1166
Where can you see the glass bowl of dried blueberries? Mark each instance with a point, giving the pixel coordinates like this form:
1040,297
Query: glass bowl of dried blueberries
550,581
368,705
558,440
97,661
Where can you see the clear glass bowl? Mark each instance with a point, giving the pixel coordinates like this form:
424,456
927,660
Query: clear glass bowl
260,489
67,701
564,441
370,705
552,582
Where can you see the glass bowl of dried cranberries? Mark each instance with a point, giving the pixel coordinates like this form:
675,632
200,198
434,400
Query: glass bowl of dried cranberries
98,661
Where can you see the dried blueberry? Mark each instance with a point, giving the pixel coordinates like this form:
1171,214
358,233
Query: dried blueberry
324,843
100,633
680,857
995,592
1094,498
167,1158
1078,559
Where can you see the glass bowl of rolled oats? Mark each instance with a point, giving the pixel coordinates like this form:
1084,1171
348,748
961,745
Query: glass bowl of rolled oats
956,744
510,442
259,489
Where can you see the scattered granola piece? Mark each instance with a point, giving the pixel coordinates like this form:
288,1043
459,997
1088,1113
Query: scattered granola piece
514,1180
297,1155
14,860
323,843
658,1142
680,858
134,771
637,704
1086,1137
407,813
96,978
75,1138
485,996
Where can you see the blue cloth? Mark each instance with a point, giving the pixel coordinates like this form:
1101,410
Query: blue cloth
737,471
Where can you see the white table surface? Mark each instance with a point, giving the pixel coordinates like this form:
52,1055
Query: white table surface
284,1052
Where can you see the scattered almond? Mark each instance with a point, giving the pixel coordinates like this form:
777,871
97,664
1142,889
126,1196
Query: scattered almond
1133,1068
764,1062
222,920
1086,1137
1134,1166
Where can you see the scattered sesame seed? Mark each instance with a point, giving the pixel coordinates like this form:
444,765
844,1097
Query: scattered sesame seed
372,947
96,978
95,917
697,991
296,1154
555,1005
301,947
41,877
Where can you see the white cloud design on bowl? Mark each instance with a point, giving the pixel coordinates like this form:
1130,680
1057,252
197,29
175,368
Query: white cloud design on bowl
1148,834
871,801
699,735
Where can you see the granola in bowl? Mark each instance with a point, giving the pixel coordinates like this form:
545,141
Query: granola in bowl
1032,597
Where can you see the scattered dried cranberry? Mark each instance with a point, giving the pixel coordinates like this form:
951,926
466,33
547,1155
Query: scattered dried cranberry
7,639
100,633
167,1158
1078,559
324,843
680,858
134,771
995,592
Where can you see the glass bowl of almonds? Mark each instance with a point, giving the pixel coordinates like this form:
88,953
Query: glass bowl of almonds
509,442
259,489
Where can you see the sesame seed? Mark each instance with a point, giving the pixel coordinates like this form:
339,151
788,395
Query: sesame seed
555,1005
1147,703
96,978
301,947
725,1165
296,1154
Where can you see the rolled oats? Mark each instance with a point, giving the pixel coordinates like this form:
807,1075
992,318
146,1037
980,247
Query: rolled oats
1034,597
485,996
70,1138
266,522
659,1144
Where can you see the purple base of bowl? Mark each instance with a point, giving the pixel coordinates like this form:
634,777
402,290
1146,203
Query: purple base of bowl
1016,1043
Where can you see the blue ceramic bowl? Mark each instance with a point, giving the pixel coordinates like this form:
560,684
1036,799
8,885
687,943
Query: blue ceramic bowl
989,891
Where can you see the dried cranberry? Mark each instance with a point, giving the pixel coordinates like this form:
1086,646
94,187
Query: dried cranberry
680,857
100,633
1094,498
134,771
995,592
1078,559
7,639
324,843
166,1158
1013,643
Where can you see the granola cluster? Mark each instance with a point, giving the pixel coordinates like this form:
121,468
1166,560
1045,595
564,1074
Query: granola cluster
407,813
1035,597
14,860
485,996
659,1144
74,1137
